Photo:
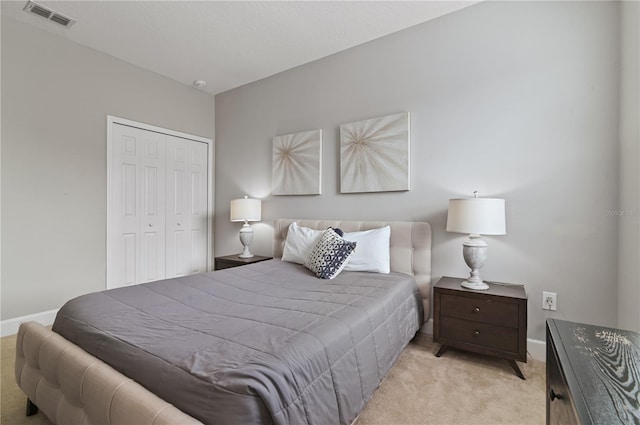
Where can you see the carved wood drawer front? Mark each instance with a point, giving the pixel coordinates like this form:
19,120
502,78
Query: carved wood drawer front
491,336
480,310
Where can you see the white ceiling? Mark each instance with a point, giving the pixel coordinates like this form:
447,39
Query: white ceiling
229,43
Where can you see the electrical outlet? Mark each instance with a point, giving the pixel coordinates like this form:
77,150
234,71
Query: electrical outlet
549,301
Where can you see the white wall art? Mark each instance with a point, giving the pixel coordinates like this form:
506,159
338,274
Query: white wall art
297,163
374,154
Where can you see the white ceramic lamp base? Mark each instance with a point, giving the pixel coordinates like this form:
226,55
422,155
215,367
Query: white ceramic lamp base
246,236
474,251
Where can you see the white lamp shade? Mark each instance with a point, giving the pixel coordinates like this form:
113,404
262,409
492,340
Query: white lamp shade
480,216
246,209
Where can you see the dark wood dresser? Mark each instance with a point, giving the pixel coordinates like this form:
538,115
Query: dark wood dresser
492,321
593,375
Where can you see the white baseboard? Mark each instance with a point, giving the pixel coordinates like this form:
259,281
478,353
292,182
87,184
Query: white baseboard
536,348
427,328
10,326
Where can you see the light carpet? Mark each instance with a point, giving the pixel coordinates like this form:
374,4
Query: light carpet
455,389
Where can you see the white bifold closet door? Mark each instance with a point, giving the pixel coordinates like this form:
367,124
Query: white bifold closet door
158,206
186,246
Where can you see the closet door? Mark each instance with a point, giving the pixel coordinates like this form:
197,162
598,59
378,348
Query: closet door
137,206
186,213
153,188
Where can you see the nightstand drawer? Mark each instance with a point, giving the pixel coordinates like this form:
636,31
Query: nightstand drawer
480,310
486,335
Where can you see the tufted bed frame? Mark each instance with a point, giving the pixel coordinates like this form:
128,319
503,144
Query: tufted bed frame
72,387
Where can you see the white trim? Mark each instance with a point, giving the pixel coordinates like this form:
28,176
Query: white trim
210,180
427,328
536,348
10,326
113,119
211,195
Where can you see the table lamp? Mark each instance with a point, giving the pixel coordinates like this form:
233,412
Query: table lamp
476,216
246,210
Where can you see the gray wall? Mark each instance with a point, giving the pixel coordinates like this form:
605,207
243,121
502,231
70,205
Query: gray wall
629,220
514,99
55,98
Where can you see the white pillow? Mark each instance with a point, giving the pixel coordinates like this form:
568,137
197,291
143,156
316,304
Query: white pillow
299,243
372,251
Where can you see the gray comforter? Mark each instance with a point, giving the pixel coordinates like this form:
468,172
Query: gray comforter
264,343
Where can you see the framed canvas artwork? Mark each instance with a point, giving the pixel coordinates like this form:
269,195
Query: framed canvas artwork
374,155
297,163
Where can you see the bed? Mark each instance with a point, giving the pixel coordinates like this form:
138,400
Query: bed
312,371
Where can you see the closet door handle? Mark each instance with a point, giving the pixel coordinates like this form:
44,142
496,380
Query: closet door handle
150,224
553,395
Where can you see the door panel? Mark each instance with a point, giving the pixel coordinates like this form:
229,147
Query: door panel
137,206
151,244
150,191
199,216
186,206
129,192
158,206
153,188
179,193
124,207
176,197
128,257
177,260
199,260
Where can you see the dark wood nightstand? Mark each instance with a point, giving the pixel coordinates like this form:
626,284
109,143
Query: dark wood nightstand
229,261
493,321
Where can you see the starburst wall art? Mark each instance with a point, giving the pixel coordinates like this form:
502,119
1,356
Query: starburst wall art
297,163
374,154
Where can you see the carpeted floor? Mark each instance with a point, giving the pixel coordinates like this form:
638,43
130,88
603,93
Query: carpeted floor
457,388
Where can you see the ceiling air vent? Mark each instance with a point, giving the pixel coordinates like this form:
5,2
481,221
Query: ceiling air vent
49,14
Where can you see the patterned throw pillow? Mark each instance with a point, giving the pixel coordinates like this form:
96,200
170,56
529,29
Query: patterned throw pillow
338,231
330,255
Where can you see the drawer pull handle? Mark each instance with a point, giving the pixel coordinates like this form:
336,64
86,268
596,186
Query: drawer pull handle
476,333
476,310
553,395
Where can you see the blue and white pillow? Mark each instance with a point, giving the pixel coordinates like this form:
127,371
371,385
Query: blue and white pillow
330,254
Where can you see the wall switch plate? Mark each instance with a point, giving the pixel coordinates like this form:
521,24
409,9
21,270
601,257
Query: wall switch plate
549,301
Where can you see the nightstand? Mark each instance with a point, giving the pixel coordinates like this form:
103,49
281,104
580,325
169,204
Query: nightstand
493,321
229,261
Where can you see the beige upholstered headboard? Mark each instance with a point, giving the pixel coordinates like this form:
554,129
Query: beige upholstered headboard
410,246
